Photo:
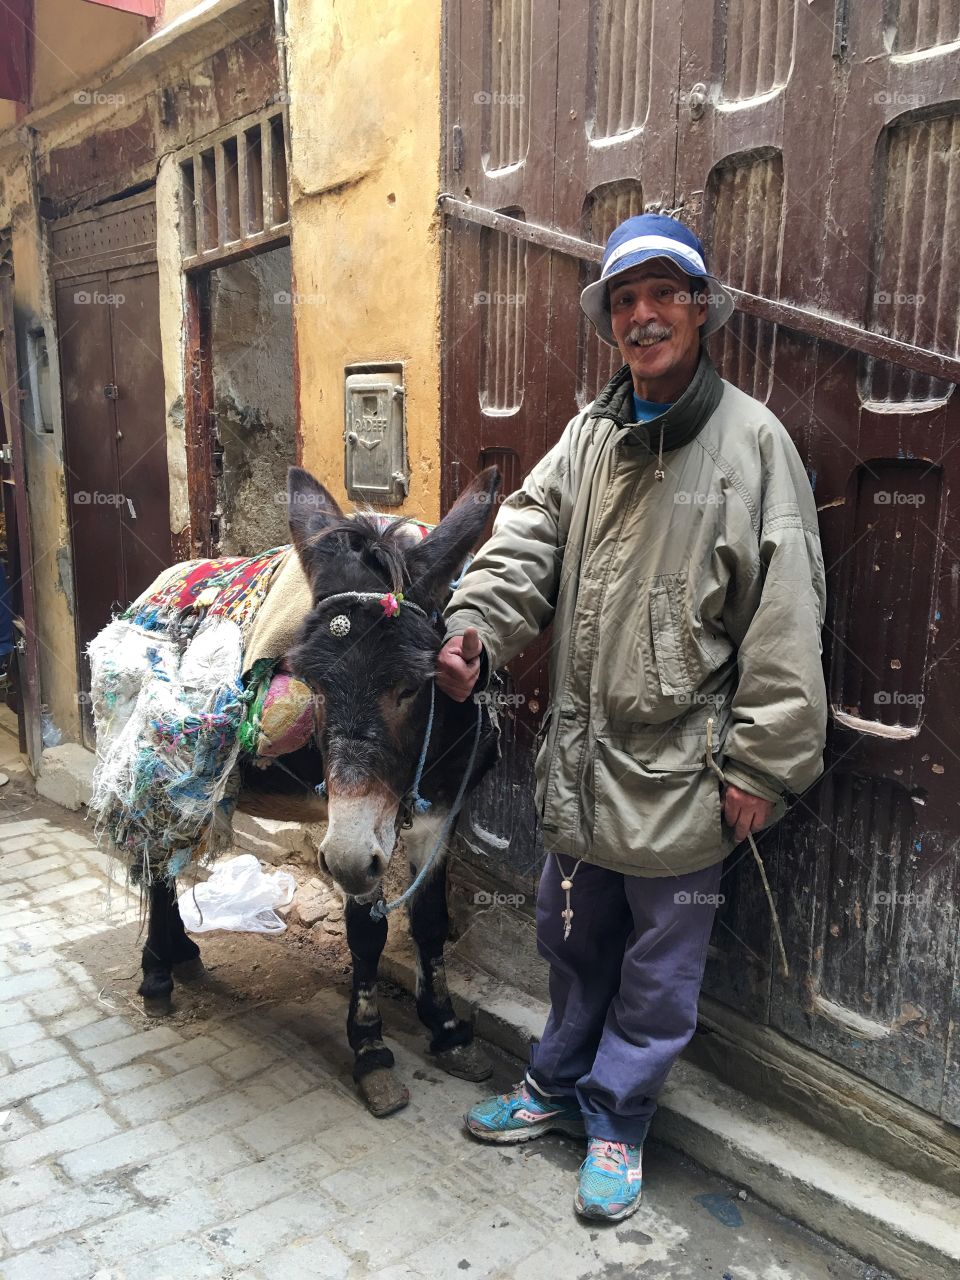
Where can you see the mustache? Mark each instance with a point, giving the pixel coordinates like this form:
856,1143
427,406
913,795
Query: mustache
640,333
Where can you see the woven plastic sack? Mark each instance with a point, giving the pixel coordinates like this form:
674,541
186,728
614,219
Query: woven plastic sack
239,896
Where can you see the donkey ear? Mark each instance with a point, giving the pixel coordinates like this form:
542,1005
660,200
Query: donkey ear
432,563
311,509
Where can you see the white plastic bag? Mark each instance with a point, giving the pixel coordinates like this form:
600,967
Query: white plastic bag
238,896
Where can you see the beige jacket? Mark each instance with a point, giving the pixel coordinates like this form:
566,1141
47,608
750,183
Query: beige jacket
701,595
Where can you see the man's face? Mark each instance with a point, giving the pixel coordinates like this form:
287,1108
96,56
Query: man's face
656,321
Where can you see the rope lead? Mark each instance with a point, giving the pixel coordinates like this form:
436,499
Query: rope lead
756,853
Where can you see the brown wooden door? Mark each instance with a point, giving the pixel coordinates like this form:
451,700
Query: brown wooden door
115,453
498,301
819,161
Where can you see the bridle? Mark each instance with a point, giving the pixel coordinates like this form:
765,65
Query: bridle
411,802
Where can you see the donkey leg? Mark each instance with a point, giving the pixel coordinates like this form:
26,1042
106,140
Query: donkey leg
373,1061
184,952
156,960
451,1038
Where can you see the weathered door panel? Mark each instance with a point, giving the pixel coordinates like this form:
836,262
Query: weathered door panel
616,156
868,904
747,80
875,936
115,461
502,61
141,434
498,289
90,454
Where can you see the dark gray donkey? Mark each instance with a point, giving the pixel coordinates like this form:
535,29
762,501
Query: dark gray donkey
391,754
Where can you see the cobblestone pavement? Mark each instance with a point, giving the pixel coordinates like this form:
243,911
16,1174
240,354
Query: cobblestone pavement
227,1141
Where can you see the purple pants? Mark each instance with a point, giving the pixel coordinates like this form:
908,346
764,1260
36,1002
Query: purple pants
623,988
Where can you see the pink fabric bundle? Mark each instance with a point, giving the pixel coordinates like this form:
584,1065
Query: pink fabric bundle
287,717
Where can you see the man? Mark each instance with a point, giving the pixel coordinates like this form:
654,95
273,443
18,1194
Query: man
671,538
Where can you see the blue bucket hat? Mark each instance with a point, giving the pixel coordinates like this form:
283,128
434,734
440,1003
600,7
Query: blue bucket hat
653,235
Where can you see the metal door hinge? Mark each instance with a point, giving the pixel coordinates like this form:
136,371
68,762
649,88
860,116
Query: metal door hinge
457,148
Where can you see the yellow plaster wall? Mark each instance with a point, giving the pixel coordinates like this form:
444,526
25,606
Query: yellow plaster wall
74,40
52,576
365,126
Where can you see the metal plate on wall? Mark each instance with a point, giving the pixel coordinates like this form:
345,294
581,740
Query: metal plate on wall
375,446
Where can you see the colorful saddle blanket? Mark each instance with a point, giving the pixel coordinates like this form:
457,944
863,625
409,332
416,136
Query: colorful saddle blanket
177,696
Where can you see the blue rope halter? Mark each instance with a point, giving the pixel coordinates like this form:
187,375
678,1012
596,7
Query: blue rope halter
380,910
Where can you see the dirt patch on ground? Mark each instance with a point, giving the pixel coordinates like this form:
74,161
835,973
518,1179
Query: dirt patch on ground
243,970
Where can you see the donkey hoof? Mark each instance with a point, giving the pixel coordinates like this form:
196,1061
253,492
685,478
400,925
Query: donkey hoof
383,1092
157,1006
191,970
468,1061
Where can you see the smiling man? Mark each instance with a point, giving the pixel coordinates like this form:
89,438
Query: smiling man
670,536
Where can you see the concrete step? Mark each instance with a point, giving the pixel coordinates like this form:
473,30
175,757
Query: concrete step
275,841
885,1216
66,775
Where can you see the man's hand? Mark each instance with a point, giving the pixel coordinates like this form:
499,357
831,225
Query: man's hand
458,665
744,812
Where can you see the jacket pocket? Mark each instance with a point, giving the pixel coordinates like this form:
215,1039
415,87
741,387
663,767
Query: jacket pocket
656,803
684,654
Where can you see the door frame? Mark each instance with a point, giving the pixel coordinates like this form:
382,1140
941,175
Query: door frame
28,657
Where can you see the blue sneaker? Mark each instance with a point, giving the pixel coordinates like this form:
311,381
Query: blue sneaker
611,1179
523,1114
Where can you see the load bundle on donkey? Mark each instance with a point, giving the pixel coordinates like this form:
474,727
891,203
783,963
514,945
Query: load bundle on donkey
301,681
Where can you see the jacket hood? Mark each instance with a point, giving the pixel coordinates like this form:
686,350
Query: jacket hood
681,423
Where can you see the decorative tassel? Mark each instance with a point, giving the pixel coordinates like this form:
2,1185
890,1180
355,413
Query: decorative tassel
566,884
420,805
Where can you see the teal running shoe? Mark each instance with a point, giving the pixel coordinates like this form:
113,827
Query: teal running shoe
523,1114
611,1180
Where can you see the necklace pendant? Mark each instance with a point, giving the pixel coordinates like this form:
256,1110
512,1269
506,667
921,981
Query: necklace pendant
566,885
658,475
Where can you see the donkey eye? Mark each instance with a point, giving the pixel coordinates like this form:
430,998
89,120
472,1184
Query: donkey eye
408,692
